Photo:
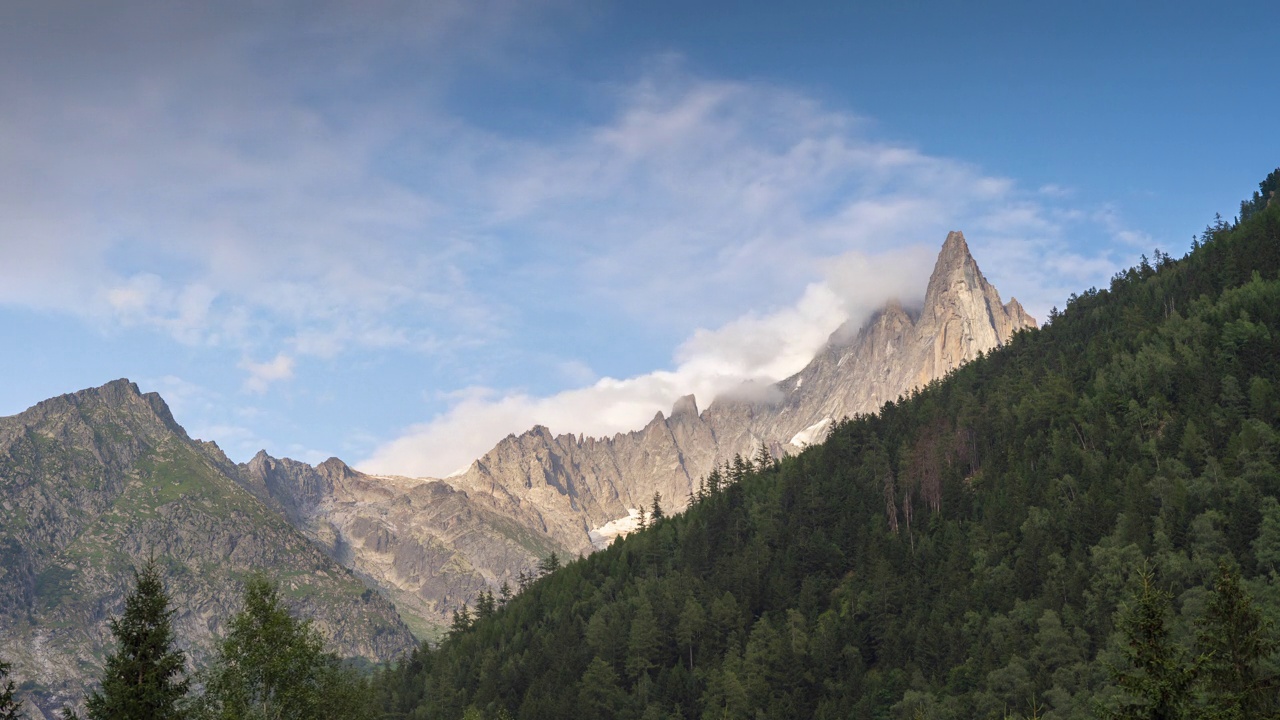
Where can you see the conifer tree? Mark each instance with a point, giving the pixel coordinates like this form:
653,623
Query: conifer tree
692,621
1159,676
764,459
461,621
644,640
548,564
656,513
599,695
8,706
485,605
144,676
1234,639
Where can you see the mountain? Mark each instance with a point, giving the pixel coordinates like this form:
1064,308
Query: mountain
433,545
567,486
430,547
93,483
1082,523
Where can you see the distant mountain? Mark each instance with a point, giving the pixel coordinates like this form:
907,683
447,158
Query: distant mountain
434,544
94,482
569,485
430,547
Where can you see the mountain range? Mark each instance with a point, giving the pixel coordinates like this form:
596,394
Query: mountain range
540,492
96,481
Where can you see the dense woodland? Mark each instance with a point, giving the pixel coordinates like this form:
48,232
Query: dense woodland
1082,524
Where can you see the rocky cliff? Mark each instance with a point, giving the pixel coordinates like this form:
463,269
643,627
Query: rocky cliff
435,543
93,483
430,547
566,485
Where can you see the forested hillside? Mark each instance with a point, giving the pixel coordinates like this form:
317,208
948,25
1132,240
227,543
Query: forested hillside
1070,527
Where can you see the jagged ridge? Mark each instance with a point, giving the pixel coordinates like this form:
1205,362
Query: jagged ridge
94,482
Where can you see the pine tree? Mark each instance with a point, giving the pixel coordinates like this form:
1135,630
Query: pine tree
644,641
504,593
692,621
599,695
1234,639
461,621
764,459
548,564
1159,675
145,676
485,605
656,513
8,706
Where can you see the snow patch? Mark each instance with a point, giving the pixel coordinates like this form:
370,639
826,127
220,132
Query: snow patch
815,433
602,536
799,382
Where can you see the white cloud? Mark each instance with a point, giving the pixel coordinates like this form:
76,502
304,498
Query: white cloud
708,200
740,358
266,187
261,375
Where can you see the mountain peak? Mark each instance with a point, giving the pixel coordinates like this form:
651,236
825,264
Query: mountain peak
954,272
685,406
955,247
954,257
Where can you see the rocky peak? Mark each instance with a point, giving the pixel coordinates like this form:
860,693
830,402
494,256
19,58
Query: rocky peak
955,272
335,470
686,406
120,396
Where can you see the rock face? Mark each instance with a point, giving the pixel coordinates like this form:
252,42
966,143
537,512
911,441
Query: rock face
430,547
93,483
566,485
434,544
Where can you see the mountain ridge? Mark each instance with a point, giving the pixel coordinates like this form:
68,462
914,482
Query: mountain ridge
563,489
95,482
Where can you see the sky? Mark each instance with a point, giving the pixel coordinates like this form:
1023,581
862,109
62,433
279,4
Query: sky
395,232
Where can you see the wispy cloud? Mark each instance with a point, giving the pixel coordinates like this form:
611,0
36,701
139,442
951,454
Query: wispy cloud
716,201
291,182
261,375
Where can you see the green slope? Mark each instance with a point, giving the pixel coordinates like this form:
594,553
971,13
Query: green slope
965,553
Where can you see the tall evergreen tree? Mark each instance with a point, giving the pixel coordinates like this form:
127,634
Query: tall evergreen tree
145,677
644,641
1159,675
548,564
8,706
599,695
1234,640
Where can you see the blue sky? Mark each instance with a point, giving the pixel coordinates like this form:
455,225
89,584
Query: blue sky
396,231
